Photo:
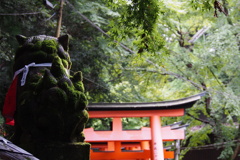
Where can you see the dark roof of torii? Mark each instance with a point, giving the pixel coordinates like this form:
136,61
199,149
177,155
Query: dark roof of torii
174,104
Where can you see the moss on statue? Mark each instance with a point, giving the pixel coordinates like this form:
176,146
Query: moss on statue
50,46
51,106
41,49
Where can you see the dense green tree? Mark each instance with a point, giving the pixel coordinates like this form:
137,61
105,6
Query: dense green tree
184,67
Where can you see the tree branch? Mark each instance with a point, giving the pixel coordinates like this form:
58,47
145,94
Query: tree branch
19,14
141,69
200,87
198,119
221,145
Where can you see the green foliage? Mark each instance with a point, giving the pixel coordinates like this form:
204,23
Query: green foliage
200,137
142,14
202,5
99,123
138,21
226,153
135,123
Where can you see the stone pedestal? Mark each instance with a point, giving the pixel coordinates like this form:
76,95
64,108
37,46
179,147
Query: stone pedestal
73,151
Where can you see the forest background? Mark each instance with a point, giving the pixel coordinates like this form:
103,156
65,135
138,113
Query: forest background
145,51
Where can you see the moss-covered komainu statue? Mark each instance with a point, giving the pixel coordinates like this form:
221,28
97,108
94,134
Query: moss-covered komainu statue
50,104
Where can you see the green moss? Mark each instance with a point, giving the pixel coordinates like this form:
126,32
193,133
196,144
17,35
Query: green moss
68,87
38,57
69,64
79,86
57,68
39,54
77,99
81,102
48,80
56,98
37,46
50,46
33,80
77,77
65,63
73,98
77,81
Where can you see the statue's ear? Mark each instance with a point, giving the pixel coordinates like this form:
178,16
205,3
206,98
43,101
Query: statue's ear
21,39
64,41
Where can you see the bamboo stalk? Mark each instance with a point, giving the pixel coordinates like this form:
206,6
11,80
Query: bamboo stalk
59,22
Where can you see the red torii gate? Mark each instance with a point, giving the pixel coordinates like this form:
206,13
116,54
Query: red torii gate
155,134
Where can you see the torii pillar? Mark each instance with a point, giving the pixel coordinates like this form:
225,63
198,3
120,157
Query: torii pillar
157,144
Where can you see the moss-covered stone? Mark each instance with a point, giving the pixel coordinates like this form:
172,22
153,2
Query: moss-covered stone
50,46
40,49
57,68
65,63
48,80
37,46
51,106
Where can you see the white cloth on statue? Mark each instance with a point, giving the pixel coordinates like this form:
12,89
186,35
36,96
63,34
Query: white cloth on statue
25,70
